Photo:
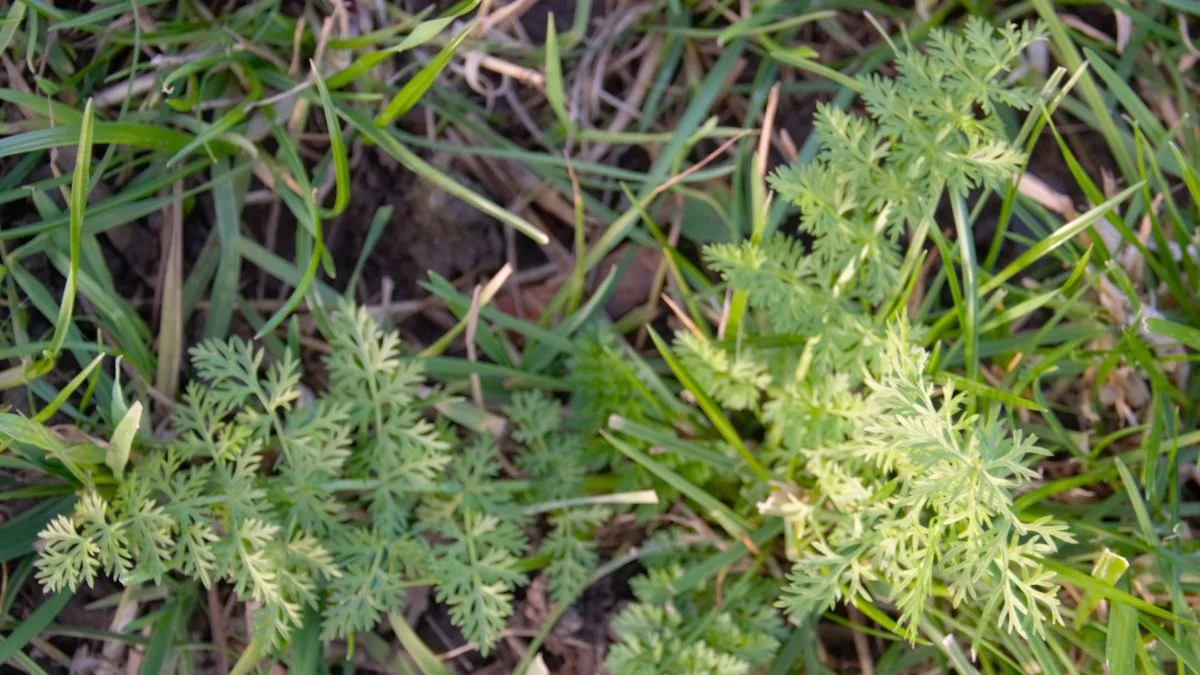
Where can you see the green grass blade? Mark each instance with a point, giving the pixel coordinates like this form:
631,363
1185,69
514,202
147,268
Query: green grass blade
306,281
415,88
1189,174
132,134
227,206
161,638
1120,646
970,294
1085,582
16,582
460,305
421,654
115,314
29,628
801,57
1184,335
383,216
254,253
46,304
223,124
1070,57
306,649
1056,239
704,570
1137,503
427,30
1129,99
536,359
337,148
451,369
1190,6
731,522
987,391
799,648
78,205
554,75
17,536
1183,651
698,108
91,20
391,145
758,24
669,441
422,33
48,108
12,19
711,410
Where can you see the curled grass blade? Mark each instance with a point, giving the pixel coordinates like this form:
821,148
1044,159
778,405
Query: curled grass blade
57,402
337,148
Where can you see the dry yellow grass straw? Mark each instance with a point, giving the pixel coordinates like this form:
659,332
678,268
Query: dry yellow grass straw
760,178
708,159
479,298
682,316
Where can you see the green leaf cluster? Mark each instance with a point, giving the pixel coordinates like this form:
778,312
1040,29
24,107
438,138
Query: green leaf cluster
341,502
890,487
665,633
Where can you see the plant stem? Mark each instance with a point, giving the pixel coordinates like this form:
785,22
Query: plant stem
250,657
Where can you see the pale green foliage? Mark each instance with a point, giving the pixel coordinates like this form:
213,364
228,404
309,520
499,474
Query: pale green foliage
876,174
665,634
572,551
603,381
921,494
341,505
736,381
887,484
552,459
